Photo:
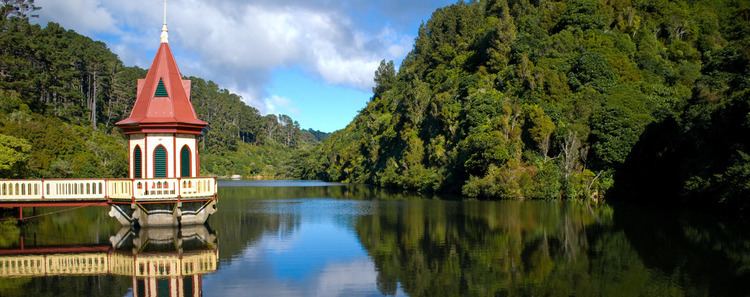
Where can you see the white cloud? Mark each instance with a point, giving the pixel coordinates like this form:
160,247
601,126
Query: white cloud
279,105
251,97
397,45
86,16
238,44
356,72
261,38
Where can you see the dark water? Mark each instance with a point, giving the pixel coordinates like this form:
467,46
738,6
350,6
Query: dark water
310,239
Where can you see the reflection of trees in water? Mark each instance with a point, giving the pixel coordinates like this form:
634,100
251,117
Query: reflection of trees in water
244,222
242,230
451,248
82,227
242,225
9,233
436,248
711,257
78,226
92,286
356,192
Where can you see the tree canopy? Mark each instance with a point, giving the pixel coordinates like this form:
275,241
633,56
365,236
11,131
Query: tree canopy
528,99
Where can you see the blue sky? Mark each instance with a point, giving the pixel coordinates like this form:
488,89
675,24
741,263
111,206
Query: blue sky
311,59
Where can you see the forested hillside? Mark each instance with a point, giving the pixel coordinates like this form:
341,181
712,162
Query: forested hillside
546,99
62,93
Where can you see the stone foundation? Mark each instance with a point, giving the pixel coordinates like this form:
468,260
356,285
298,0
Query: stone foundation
163,239
163,214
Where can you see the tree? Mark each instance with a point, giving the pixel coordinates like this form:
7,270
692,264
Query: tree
539,127
14,153
385,76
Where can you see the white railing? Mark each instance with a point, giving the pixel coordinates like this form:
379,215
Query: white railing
74,189
120,188
22,266
107,189
142,265
197,187
77,264
176,265
21,189
156,188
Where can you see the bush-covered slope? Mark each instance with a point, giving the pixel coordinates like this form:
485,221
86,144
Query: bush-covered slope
537,99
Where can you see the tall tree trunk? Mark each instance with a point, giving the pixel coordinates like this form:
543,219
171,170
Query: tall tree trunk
93,105
570,153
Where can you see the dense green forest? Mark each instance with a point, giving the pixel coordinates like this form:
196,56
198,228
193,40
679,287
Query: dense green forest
547,99
62,93
498,99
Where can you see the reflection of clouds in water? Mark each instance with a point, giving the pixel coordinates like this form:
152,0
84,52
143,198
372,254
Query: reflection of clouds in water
357,278
276,244
280,242
254,288
250,254
318,259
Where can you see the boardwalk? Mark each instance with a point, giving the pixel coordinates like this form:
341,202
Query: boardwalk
144,202
51,192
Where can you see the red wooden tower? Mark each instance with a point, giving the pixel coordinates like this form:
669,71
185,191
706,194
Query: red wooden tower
163,128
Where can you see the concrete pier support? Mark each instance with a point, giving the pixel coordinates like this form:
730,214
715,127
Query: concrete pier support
167,238
163,214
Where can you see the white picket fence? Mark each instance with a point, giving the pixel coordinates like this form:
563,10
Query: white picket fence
107,189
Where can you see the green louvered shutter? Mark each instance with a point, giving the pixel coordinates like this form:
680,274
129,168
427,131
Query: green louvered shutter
187,286
185,162
161,90
137,160
160,162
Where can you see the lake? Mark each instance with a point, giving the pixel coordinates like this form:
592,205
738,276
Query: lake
295,238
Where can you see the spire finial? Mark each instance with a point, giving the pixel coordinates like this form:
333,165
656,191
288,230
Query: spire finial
164,33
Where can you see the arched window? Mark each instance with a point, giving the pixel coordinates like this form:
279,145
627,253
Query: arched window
185,161
160,162
137,162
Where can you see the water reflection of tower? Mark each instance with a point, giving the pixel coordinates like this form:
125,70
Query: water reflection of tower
167,261
160,262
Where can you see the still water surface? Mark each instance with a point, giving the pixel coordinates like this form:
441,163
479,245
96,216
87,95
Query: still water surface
316,239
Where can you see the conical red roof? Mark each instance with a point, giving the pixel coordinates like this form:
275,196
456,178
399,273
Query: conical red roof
165,109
